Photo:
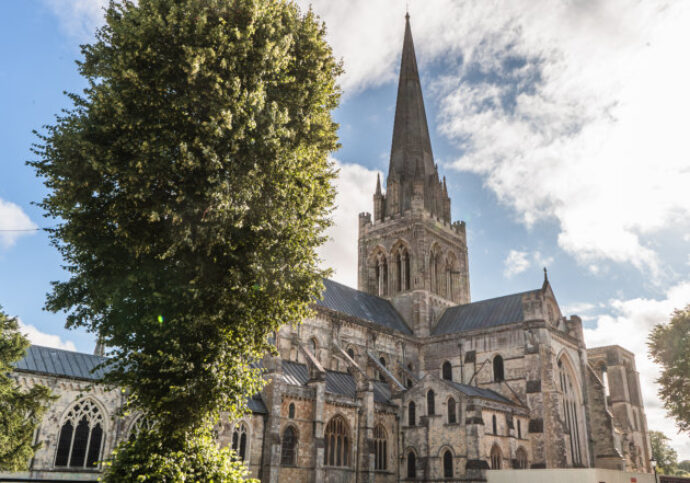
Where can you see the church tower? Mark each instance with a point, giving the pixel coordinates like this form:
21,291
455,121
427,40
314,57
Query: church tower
410,252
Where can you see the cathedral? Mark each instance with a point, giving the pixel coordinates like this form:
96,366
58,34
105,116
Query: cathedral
404,378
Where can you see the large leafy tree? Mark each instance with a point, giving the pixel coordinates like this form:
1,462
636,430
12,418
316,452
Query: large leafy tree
669,346
20,410
191,186
665,456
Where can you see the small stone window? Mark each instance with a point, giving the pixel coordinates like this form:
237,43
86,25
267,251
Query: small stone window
498,369
447,371
411,465
351,353
447,464
493,424
430,403
291,411
288,449
382,378
452,419
519,428
411,417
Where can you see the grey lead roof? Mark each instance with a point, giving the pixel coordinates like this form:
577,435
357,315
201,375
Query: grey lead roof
478,391
362,305
482,314
78,365
58,362
340,383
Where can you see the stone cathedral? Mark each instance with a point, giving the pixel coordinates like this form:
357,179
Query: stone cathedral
404,378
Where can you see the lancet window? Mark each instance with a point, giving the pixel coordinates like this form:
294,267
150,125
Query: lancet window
288,450
239,441
80,442
570,410
496,458
381,448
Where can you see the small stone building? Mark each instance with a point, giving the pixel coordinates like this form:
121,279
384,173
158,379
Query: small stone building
405,378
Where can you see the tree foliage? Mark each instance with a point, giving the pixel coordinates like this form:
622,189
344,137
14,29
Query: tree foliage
665,456
191,184
146,458
669,346
20,410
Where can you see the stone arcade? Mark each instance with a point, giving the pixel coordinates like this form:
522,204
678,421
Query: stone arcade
404,379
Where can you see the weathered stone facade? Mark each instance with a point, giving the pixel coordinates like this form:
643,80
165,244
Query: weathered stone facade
405,379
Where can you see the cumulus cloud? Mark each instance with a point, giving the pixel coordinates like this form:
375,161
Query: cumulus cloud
627,323
78,18
14,223
516,262
355,186
571,112
41,338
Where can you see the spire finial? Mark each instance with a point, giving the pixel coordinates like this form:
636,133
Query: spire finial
546,276
378,184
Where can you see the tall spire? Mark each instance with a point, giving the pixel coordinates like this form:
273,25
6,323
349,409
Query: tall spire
411,155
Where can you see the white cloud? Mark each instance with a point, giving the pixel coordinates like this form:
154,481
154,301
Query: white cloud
13,219
41,338
516,262
627,324
572,112
78,18
355,186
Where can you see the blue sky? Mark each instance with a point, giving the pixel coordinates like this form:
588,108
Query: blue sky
560,129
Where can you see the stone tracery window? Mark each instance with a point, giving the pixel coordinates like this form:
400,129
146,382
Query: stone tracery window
496,457
381,275
381,448
239,441
570,410
401,259
337,443
80,442
288,447
521,459
139,424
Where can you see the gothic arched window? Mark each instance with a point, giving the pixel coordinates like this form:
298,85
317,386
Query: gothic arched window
452,419
351,353
519,428
313,346
521,459
430,403
381,275
381,448
411,414
337,443
498,369
288,447
570,410
447,371
447,464
139,424
291,411
496,458
239,441
382,378
81,436
411,465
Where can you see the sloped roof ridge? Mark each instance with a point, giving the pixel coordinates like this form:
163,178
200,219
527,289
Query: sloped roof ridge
496,298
